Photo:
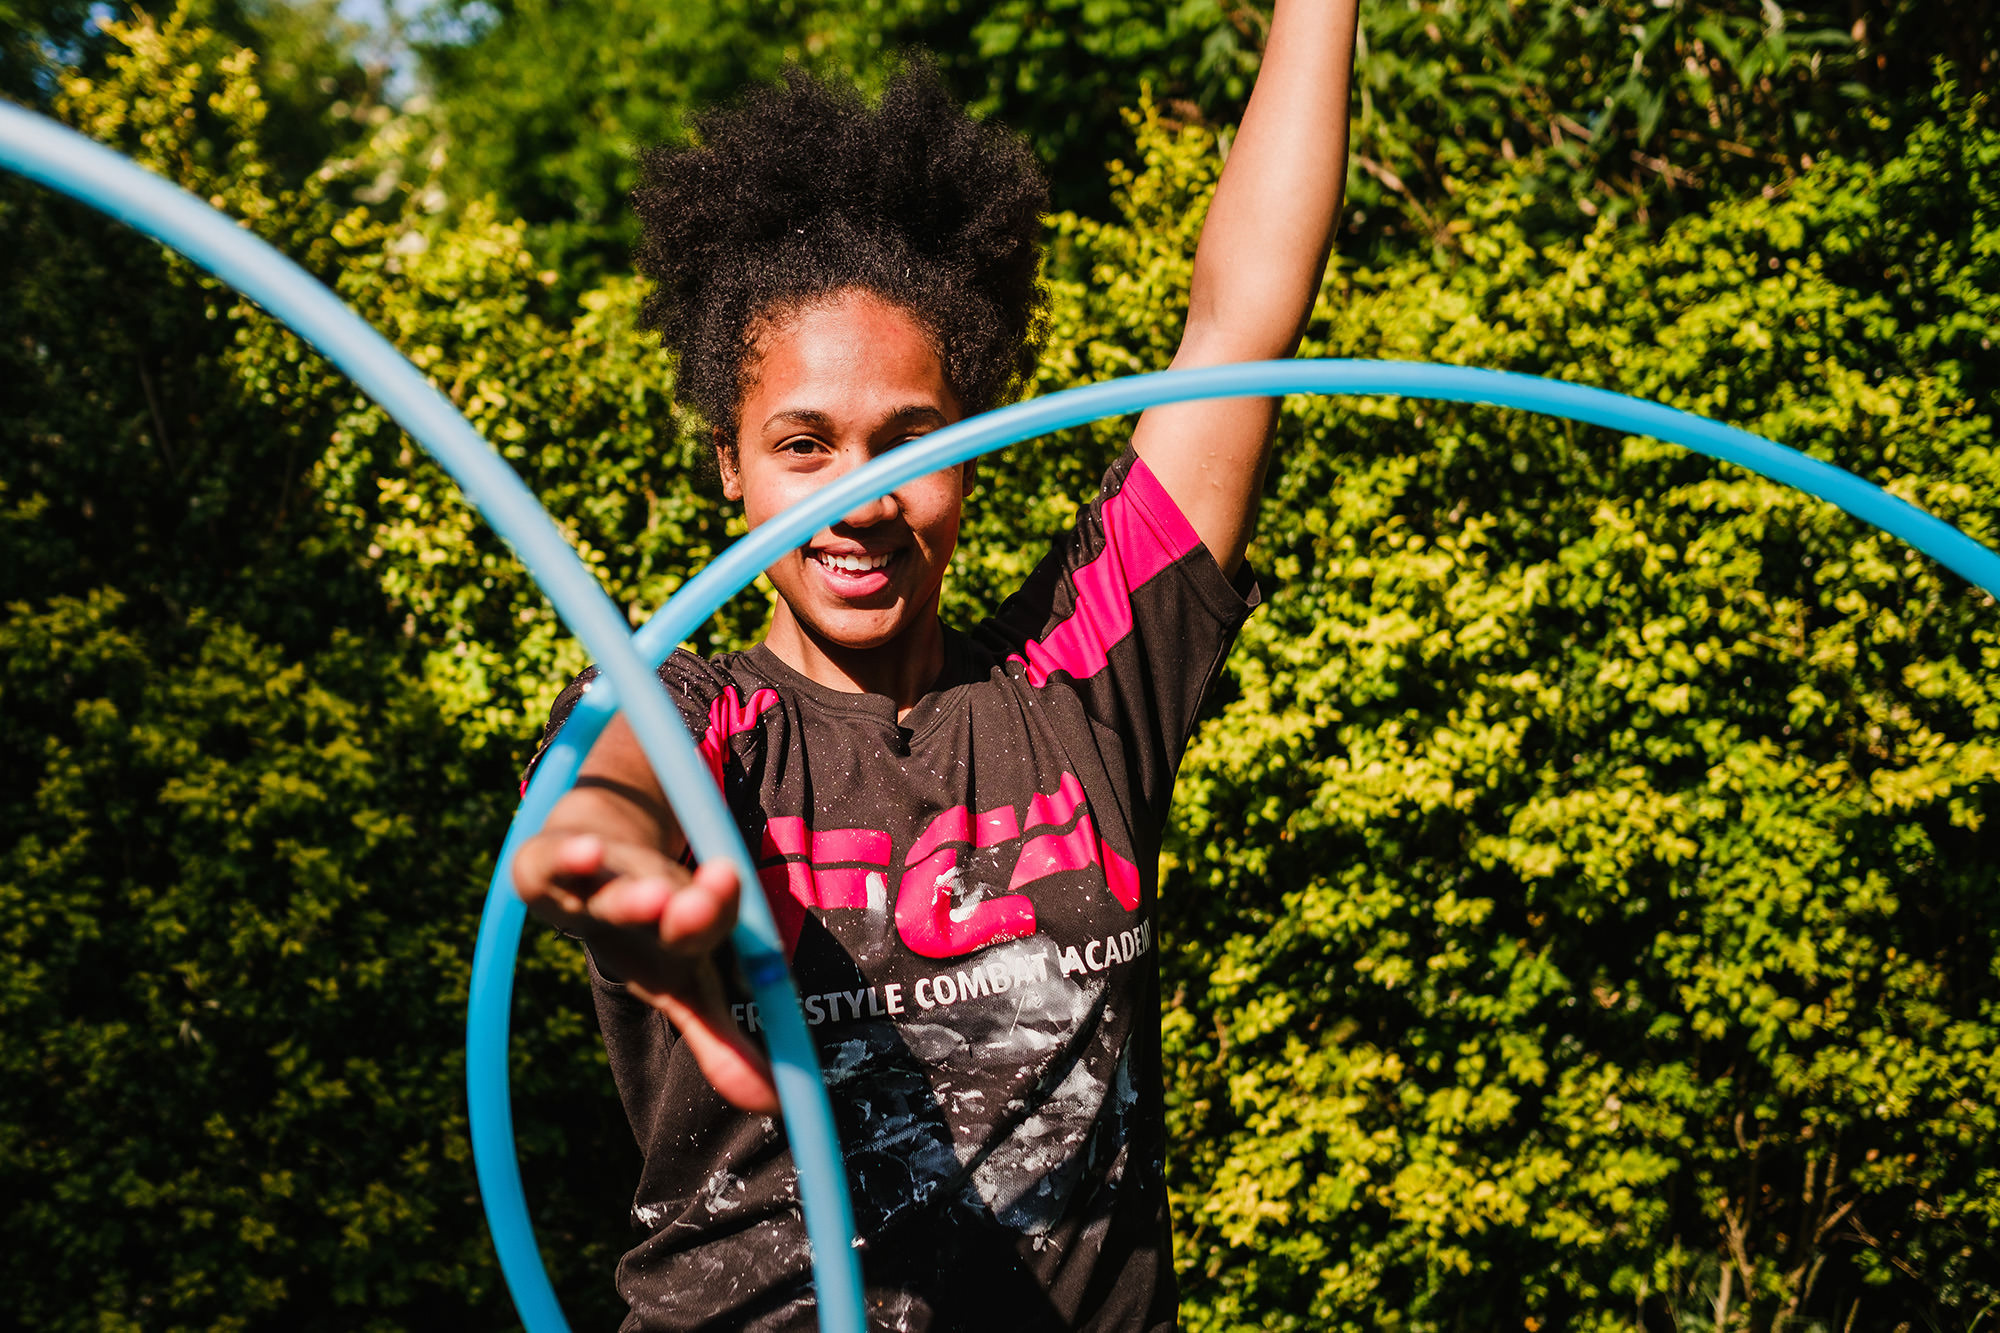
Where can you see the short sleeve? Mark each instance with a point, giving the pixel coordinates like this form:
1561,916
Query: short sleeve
696,686
1131,612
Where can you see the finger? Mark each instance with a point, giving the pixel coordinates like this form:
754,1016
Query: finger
700,916
579,855
548,891
567,874
733,1067
636,901
635,860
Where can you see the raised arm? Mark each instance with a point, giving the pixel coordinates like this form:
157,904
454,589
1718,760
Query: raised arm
1257,269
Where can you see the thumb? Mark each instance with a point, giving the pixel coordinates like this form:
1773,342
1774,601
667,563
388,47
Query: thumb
733,1067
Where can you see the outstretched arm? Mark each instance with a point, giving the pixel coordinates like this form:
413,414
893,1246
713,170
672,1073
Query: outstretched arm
1257,269
606,868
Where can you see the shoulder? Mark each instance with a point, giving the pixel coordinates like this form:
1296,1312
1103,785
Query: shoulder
696,681
721,694
1132,563
722,697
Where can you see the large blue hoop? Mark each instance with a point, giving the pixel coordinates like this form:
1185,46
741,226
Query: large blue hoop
66,161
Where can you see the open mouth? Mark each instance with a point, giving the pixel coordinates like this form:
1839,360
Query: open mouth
855,574
865,563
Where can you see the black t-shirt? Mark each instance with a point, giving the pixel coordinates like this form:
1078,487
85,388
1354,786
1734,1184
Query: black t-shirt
969,895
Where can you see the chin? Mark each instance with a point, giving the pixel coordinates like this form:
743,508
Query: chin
860,628
861,638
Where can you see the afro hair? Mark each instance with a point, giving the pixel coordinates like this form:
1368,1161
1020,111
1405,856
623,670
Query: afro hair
804,190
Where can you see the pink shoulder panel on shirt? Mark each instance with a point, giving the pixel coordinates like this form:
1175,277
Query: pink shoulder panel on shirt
729,716
1144,532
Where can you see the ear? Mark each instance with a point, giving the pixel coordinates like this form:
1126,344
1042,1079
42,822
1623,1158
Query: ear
971,478
726,463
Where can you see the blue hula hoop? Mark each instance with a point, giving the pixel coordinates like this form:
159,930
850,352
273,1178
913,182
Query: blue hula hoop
64,160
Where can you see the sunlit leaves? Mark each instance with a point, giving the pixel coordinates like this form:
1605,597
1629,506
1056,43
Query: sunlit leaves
1581,893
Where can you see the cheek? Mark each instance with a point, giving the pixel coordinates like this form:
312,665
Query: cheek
936,513
767,496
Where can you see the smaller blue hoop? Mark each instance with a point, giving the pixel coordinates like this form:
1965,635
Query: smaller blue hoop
499,935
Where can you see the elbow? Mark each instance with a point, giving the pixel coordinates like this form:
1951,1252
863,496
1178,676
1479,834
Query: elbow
1224,346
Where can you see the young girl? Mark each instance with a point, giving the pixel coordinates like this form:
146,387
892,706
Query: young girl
959,831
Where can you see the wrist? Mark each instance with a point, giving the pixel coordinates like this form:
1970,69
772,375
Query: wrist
614,812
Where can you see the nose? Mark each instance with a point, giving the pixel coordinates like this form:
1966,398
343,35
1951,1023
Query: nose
879,510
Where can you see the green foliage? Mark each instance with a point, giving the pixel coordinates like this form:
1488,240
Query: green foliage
39,41
252,777
543,103
1630,111
1063,71
228,1093
1578,912
1582,911
1634,111
323,88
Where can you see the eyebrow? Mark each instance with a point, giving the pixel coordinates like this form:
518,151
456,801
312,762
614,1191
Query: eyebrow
812,419
800,416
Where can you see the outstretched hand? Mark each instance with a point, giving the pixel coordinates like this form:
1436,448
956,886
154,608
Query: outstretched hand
656,927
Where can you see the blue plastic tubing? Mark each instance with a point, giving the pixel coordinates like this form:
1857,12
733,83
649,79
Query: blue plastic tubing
61,158
58,157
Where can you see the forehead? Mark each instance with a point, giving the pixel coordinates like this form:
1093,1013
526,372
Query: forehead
850,355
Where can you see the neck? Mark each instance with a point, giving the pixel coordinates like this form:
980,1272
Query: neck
903,669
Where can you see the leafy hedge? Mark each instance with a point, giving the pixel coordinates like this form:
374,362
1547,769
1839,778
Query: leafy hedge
1578,908
1635,110
1584,907
254,769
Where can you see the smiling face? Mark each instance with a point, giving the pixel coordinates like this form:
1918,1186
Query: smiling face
835,384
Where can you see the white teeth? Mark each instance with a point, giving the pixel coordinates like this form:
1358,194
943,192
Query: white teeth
853,564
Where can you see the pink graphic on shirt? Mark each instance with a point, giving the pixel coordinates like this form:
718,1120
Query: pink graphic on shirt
1053,853
925,916
784,835
788,888
845,860
1144,532
845,886
836,846
954,825
846,869
729,716
821,881
1120,876
996,826
1055,808
932,916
